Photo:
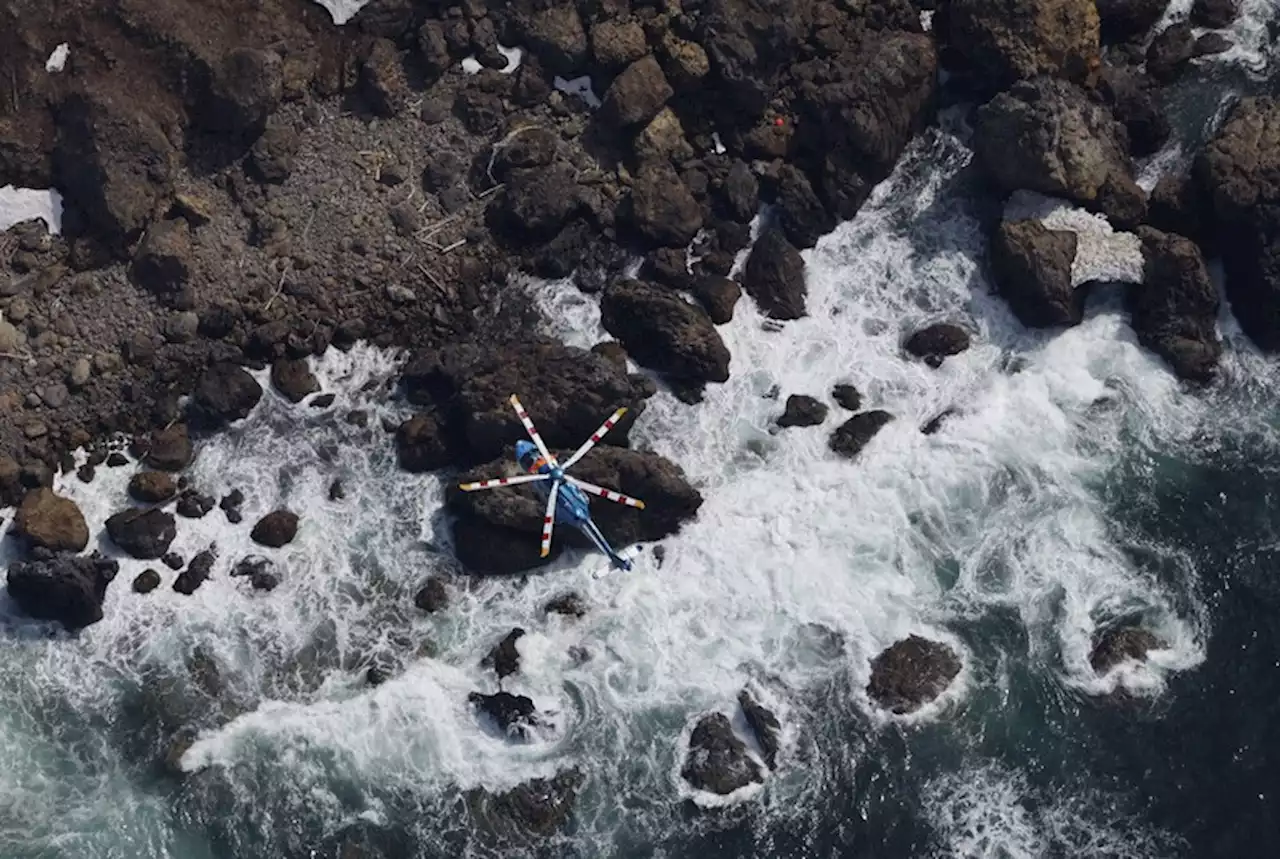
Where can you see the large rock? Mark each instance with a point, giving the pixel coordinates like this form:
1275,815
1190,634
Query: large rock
225,393
853,435
616,44
170,449
496,531
152,487
1119,644
912,673
383,82
800,213
802,411
69,590
555,35
1238,174
537,202
934,343
566,391
717,761
276,529
1169,51
1000,42
293,378
504,658
1174,310
48,520
142,533
163,261
662,331
1031,265
764,724
1134,103
1122,20
1046,135
246,88
113,163
663,210
514,715
421,444
636,95
1214,14
718,296
538,807
774,276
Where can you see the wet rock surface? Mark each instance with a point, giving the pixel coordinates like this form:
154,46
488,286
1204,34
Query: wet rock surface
1118,644
1175,308
803,411
853,435
717,760
662,331
538,807
55,587
276,529
143,533
764,724
911,673
1032,268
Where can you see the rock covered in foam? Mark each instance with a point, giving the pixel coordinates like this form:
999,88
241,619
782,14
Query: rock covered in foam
1121,643
717,761
1032,269
504,658
1174,310
911,673
515,715
48,520
69,590
497,531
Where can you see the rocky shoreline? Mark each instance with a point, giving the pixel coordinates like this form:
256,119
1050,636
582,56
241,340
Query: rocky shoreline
248,185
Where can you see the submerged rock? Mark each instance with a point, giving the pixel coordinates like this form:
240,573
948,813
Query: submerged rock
854,434
276,529
504,658
803,411
432,596
538,807
1120,643
569,605
514,715
717,761
911,673
61,588
50,521
142,533
764,724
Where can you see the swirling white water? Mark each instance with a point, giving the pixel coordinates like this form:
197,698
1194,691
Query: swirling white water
998,534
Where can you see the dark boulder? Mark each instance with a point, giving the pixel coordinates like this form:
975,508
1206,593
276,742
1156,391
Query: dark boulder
637,95
1134,103
421,444
662,331
246,88
802,216
1214,14
504,658
48,520
615,44
152,487
1123,20
1031,265
1121,643
1208,44
273,154
847,397
764,724
537,807
911,673
802,411
62,588
194,505
142,533
934,343
170,449
1047,135
718,296
555,35
854,434
536,202
146,581
1169,52
225,393
496,531
293,378
717,761
774,276
383,83
276,529
1000,42
432,596
662,209
196,573
569,605
740,192
1175,309
163,261
514,715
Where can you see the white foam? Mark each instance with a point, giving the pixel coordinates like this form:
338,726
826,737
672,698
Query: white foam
26,204
1102,253
471,65
515,56
58,59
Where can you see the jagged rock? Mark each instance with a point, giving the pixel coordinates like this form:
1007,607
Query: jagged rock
146,581
1120,643
50,521
911,673
935,343
934,423
273,153
854,434
514,715
662,139
496,531
151,487
717,761
504,658
556,37
774,276
225,393
1032,269
1169,51
741,192
538,807
382,79
246,88
1214,14
801,214
1122,20
636,95
196,572
433,596
1174,310
61,588
616,44
276,529
847,397
193,505
718,296
293,378
537,202
170,449
1134,104
1046,135
764,724
802,411
163,261
569,605
662,331
662,208
421,444
142,533
684,61
1000,42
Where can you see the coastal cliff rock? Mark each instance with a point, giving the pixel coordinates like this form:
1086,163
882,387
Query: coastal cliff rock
717,760
1175,308
911,673
774,276
1031,265
69,590
497,530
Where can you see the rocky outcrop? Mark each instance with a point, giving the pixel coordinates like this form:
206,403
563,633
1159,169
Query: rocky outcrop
421,444
1214,14
496,531
637,95
1046,135
50,521
1118,644
853,435
718,296
1174,310
774,276
225,393
152,487
663,210
1169,52
1134,103
536,203
537,807
1031,265
662,331
143,533
764,724
555,35
162,263
937,342
170,449
514,715
293,378
717,761
1000,42
802,411
911,673
504,658
55,587
276,529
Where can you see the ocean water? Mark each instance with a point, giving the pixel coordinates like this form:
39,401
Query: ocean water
1077,483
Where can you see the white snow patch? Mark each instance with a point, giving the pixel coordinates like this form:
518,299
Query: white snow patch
58,59
23,204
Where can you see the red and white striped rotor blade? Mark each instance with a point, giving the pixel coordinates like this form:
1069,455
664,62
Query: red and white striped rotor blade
549,520
532,430
595,437
607,494
502,481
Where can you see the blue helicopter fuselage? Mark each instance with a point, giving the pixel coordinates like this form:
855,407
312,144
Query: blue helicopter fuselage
572,505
